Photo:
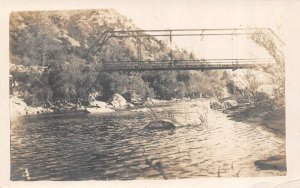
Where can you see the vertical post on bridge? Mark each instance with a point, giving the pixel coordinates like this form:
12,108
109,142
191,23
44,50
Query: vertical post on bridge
139,50
171,55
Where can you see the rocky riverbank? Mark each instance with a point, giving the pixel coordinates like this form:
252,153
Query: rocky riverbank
273,120
19,108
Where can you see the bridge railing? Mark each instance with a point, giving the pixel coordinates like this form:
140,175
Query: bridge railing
184,64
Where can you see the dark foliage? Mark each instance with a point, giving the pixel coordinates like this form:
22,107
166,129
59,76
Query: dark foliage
60,40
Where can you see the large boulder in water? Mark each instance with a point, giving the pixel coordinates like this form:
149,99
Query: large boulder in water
118,102
161,124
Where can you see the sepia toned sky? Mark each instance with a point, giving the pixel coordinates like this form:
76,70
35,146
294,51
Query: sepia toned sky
198,14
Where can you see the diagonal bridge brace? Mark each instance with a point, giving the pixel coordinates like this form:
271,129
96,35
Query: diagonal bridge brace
171,64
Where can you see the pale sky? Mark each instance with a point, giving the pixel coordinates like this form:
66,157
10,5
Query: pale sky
196,14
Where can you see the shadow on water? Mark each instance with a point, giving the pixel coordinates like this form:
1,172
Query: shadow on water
273,120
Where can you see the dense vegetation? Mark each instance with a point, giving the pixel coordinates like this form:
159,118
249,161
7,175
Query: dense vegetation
61,40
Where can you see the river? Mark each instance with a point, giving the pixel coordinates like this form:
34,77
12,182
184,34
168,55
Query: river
116,146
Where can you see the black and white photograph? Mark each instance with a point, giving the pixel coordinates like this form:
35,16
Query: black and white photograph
109,93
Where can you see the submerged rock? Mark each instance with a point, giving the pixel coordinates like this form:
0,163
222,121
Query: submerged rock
25,174
161,124
272,163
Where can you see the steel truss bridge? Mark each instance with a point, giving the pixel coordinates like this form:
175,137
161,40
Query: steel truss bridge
179,64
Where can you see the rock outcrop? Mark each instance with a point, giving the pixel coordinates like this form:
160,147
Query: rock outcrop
161,124
229,103
18,108
215,105
274,162
118,102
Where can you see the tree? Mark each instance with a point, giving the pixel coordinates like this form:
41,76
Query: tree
267,40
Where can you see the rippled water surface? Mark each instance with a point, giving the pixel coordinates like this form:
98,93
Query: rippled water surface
116,146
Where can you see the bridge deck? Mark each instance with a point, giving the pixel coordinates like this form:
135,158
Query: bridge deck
181,65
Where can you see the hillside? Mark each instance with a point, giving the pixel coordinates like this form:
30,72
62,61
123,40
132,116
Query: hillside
60,40
55,56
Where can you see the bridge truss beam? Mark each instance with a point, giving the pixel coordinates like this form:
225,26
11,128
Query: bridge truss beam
204,64
173,64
